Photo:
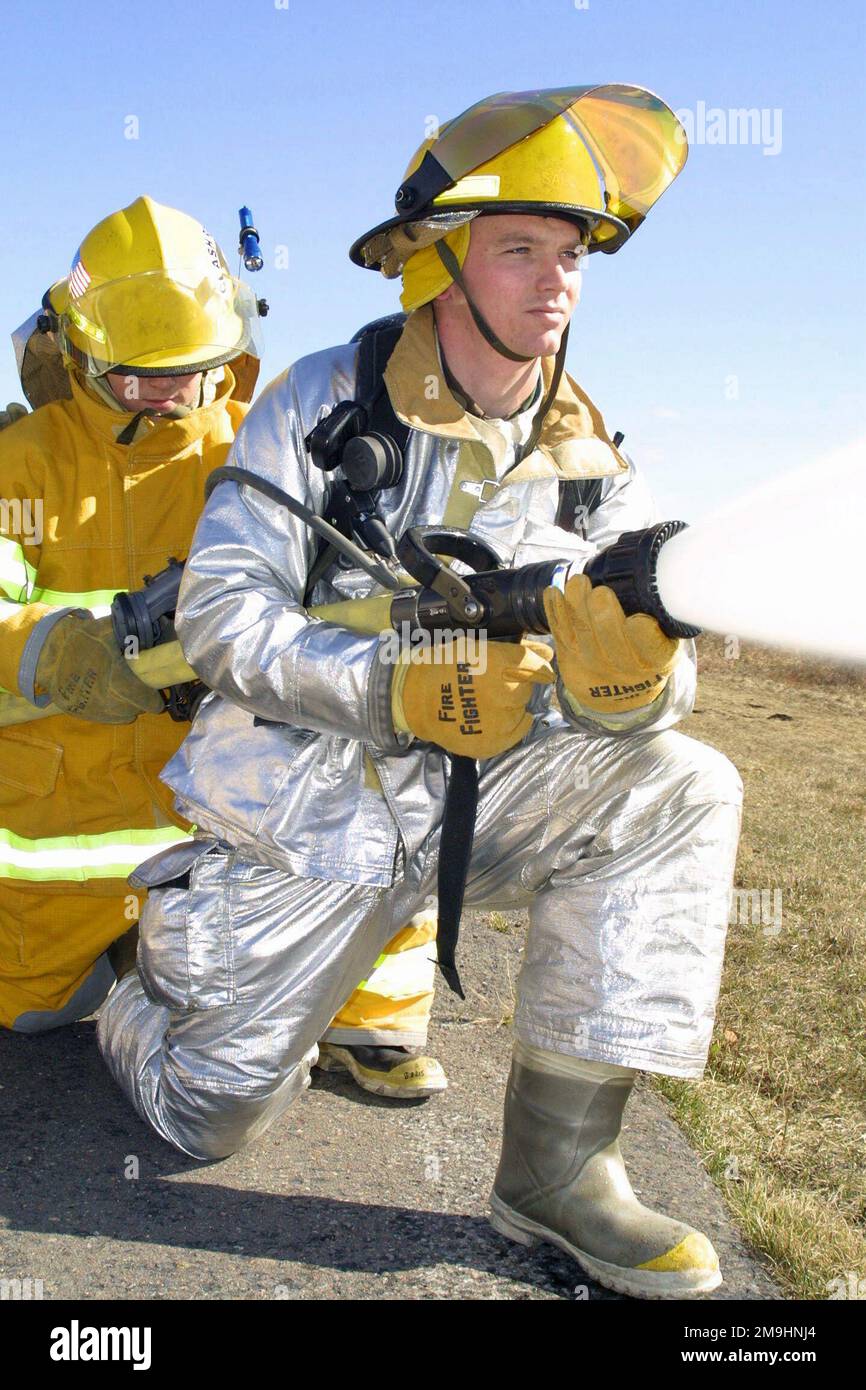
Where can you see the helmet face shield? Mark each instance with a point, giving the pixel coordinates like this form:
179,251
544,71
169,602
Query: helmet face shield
168,322
492,125
635,140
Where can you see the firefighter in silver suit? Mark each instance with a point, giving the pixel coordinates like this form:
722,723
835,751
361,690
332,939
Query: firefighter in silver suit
316,771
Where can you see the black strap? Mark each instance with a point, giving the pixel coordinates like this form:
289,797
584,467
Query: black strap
376,345
127,434
377,341
578,499
452,265
538,420
461,797
455,851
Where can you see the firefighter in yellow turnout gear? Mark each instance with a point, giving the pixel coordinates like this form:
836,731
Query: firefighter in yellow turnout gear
101,488
102,484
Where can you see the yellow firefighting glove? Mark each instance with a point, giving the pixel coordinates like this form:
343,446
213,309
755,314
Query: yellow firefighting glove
476,708
85,673
608,662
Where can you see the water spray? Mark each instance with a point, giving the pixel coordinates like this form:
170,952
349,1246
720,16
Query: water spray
782,565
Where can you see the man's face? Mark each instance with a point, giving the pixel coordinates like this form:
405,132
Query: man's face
159,393
523,272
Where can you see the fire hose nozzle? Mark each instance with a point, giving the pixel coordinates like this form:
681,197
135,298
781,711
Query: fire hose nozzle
629,568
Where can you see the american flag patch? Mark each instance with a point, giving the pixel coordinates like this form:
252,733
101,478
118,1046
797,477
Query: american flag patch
78,280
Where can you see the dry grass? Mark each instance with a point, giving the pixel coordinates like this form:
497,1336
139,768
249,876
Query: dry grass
497,921
780,1115
778,667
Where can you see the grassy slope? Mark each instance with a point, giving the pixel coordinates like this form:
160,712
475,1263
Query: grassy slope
780,1115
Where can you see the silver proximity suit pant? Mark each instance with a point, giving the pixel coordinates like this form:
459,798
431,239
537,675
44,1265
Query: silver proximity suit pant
622,848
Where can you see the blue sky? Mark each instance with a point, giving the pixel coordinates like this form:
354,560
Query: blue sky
726,340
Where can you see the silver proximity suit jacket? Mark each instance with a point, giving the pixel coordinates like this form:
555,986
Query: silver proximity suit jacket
294,758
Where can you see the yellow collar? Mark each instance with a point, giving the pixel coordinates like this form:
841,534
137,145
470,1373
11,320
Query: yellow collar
162,436
573,436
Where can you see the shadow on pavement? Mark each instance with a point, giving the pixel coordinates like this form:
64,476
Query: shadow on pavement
70,1139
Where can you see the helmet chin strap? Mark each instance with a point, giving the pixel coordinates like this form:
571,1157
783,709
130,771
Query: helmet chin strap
449,260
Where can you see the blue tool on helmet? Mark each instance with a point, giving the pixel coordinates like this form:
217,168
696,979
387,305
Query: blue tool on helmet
248,246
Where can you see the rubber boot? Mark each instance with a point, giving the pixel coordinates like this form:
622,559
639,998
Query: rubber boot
386,1071
561,1179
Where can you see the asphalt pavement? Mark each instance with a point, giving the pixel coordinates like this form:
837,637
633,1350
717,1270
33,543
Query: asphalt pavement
348,1196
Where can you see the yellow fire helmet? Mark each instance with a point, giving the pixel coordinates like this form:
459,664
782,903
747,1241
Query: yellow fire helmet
150,292
599,156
